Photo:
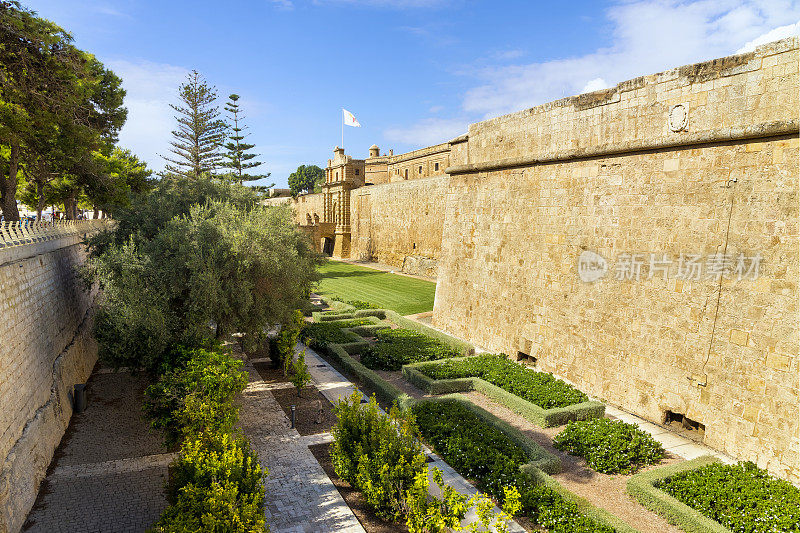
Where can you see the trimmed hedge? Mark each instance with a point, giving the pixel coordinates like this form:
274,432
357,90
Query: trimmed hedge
552,417
741,497
494,454
396,347
596,514
642,486
462,347
319,333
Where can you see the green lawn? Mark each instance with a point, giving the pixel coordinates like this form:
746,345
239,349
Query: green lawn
403,294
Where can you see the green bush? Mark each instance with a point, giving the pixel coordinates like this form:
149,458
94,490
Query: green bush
319,334
484,454
609,446
741,497
198,398
378,455
218,508
301,377
540,388
281,347
397,347
222,457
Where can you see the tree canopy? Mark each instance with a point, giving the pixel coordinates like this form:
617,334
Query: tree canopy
197,141
307,178
58,106
238,157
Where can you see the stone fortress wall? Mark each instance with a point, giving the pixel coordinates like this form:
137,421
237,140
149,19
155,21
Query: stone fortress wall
46,347
698,160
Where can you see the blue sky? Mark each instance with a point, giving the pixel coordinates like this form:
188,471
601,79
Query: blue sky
414,72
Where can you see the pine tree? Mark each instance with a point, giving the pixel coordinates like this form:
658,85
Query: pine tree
238,158
200,132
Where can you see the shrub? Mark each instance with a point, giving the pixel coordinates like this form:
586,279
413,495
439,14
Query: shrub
609,446
540,388
198,398
397,347
221,457
428,514
281,347
378,455
300,374
319,334
741,497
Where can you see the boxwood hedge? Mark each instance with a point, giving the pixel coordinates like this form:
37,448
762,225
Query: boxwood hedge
397,347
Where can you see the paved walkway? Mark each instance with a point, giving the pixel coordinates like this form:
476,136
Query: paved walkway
334,386
300,498
108,473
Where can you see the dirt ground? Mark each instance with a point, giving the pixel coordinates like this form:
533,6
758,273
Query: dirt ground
354,499
313,412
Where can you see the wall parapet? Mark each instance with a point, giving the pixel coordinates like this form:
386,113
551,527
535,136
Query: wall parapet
23,239
758,131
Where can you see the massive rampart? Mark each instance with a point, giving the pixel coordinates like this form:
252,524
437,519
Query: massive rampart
680,189
46,348
694,162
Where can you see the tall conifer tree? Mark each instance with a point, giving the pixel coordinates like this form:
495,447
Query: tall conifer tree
200,134
239,158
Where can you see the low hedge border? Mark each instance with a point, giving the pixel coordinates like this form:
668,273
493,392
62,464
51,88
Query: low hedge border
541,465
457,344
642,487
542,462
540,458
540,477
554,417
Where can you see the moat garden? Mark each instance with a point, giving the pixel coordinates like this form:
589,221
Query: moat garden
354,417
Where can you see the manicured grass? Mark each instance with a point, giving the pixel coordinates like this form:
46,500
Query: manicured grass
403,294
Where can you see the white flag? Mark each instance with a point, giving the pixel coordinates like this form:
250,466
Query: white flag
349,119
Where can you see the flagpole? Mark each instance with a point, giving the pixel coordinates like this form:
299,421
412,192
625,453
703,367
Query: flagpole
342,128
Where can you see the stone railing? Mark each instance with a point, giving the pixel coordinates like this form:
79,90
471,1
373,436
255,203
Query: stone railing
20,233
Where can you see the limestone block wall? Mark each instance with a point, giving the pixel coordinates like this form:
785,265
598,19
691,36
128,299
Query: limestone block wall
305,207
418,164
46,347
392,221
621,172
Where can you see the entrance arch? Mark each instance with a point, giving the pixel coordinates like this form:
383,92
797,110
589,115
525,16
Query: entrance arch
327,246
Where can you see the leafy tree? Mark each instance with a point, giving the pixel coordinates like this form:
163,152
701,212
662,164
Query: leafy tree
58,104
301,377
231,263
200,134
306,178
239,159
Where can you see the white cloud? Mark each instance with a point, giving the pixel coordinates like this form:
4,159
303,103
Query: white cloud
596,84
284,4
648,36
428,131
774,35
150,87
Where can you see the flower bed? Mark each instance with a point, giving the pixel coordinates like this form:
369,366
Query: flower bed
538,396
741,497
397,347
610,446
480,451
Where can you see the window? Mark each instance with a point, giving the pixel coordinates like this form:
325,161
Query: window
420,169
358,171
337,175
406,174
436,166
